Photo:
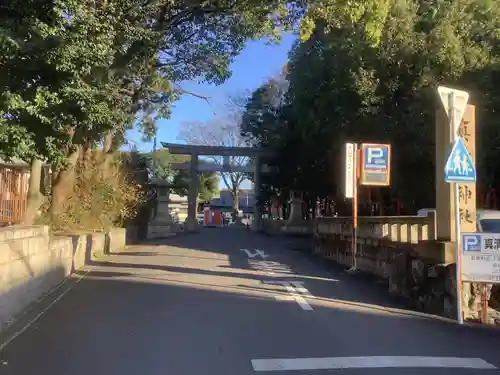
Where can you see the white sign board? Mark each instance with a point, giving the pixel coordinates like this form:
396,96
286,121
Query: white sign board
481,257
350,169
460,99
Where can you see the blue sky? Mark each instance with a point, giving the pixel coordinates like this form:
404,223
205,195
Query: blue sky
256,63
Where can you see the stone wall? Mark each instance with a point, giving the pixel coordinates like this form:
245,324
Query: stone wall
302,228
30,265
32,262
404,252
415,272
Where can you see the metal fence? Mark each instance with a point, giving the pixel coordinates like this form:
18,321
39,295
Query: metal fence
14,184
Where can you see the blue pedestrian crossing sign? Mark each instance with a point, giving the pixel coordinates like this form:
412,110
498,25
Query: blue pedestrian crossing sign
459,166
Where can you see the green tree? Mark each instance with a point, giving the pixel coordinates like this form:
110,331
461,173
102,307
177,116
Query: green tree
160,162
208,184
367,71
77,74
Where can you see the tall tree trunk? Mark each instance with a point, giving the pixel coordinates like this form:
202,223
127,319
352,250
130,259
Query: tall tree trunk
35,197
105,161
63,183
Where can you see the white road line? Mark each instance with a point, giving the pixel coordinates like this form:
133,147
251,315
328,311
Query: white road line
300,300
303,303
299,287
293,295
290,289
293,287
269,266
297,364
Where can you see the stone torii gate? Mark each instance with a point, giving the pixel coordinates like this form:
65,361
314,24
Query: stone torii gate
194,168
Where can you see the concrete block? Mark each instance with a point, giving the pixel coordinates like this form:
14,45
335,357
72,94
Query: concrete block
29,267
81,248
39,244
97,245
66,266
79,244
22,231
116,239
15,249
39,264
437,251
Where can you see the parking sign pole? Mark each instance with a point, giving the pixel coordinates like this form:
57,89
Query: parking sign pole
458,275
354,232
357,162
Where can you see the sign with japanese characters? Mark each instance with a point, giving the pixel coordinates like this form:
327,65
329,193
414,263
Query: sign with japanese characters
350,169
481,257
467,191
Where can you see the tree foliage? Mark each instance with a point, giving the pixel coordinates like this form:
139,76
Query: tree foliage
76,74
367,71
208,183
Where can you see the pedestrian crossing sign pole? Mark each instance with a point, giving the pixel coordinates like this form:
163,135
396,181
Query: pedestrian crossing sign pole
459,168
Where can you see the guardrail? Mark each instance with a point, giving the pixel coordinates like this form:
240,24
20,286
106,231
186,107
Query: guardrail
403,229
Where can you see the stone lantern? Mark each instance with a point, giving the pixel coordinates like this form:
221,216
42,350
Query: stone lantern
296,201
161,223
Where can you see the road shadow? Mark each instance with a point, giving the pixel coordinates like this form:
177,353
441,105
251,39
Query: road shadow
323,278
130,327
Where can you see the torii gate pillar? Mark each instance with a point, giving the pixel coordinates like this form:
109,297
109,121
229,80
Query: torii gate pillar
191,222
256,193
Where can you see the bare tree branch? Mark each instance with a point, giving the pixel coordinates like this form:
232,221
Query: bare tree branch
197,95
219,131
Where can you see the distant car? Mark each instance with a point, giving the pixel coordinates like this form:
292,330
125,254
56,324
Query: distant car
487,220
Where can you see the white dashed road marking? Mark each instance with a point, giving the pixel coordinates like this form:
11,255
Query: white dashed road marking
269,267
296,293
295,289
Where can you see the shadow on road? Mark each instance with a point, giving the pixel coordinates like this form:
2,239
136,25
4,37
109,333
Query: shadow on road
111,326
324,279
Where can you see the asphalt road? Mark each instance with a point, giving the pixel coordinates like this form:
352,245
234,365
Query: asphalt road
201,304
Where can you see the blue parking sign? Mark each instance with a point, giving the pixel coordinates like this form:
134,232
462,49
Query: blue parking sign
375,164
471,242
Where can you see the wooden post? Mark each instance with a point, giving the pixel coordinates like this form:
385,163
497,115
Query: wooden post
444,191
